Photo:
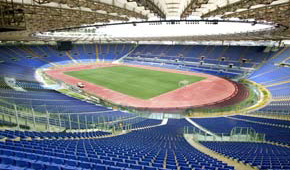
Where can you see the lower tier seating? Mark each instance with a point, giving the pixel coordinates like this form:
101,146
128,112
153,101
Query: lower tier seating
156,148
261,155
225,125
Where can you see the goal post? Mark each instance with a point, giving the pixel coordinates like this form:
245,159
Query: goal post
183,83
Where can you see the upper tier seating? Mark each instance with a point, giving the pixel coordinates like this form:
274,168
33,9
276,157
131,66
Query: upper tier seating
270,69
16,60
216,59
277,80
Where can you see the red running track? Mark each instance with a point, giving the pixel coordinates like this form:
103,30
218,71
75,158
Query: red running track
207,92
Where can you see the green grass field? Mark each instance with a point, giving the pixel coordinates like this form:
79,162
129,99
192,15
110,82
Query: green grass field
136,82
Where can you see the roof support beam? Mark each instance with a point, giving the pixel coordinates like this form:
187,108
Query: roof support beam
150,5
242,4
192,6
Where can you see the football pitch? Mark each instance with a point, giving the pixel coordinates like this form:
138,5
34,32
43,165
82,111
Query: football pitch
136,82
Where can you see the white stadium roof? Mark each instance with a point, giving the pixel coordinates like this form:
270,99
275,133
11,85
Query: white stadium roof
22,18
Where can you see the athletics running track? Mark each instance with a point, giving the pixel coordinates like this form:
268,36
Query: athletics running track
208,92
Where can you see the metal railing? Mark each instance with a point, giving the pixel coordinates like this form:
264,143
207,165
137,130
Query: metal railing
20,117
246,134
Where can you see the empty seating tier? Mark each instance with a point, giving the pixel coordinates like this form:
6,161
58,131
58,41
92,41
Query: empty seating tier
161,147
261,155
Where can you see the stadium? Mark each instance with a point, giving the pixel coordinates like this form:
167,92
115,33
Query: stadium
145,84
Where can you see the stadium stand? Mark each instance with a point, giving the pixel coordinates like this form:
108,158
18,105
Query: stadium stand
276,79
50,123
160,147
216,59
264,120
10,134
226,124
260,155
29,57
72,113
155,148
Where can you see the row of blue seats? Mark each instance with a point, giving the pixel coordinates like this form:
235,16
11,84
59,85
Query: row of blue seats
217,61
233,53
264,120
34,134
217,72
